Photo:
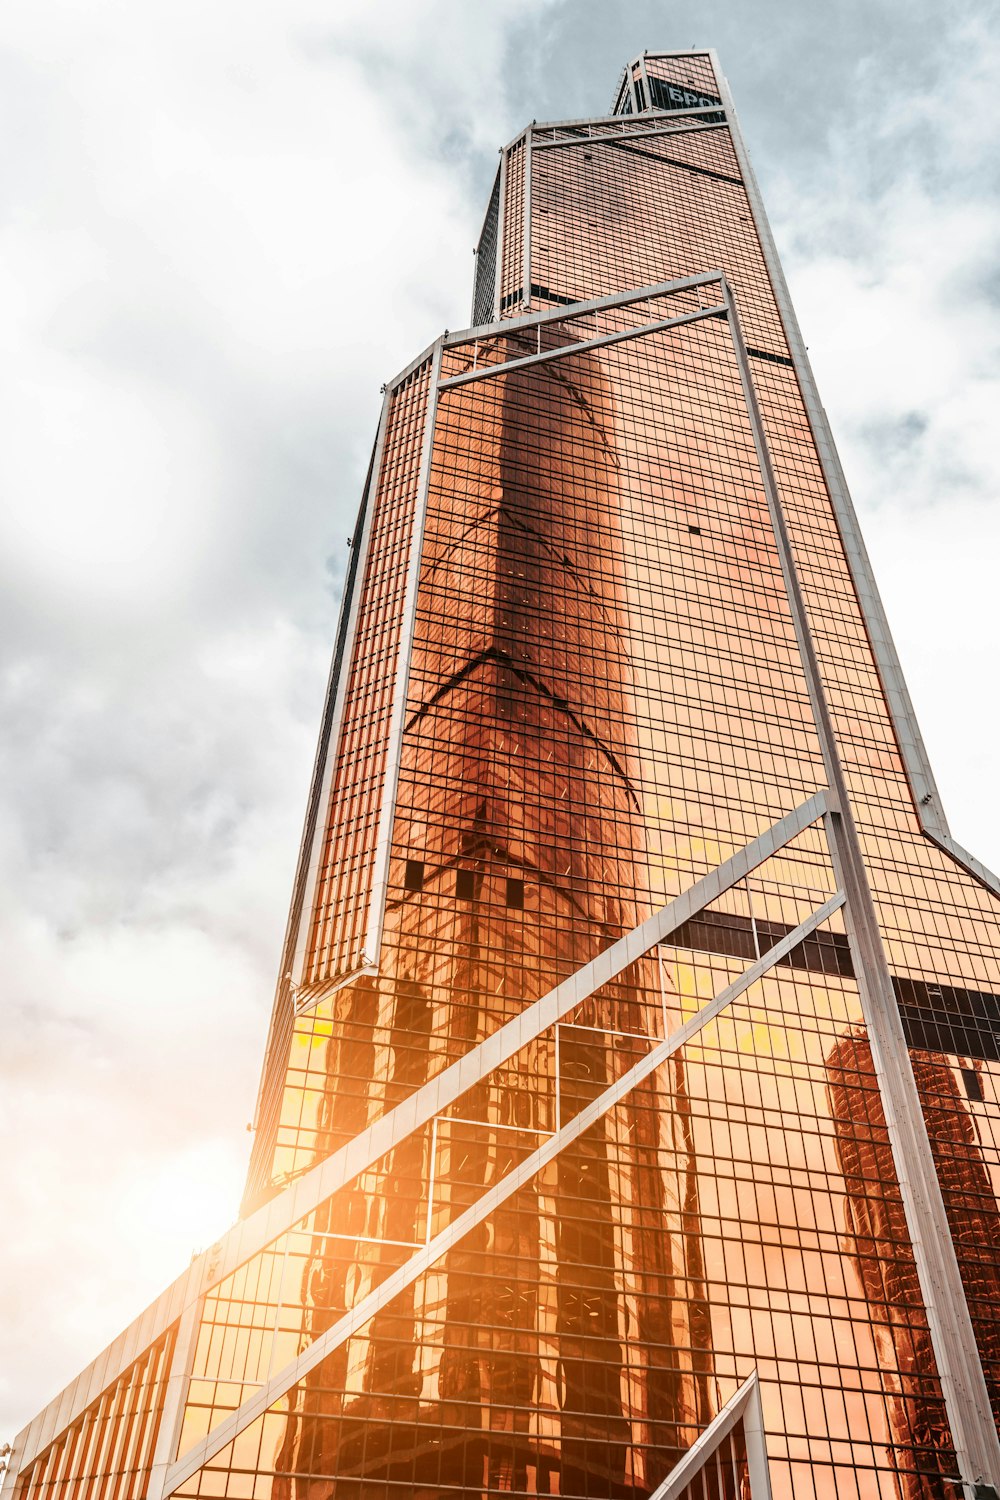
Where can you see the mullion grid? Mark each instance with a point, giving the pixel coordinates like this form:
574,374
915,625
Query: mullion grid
459,989
939,924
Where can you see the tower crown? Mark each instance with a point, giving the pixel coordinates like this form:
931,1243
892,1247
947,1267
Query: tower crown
666,81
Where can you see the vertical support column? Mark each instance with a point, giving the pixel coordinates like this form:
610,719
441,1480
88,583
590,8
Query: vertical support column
645,81
526,214
326,759
387,811
306,870
428,1236
168,1436
558,1080
952,1335
753,1436
501,217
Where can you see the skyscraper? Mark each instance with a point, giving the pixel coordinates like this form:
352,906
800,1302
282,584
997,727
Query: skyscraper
627,1123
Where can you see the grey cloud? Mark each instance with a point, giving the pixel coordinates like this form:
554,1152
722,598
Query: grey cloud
898,435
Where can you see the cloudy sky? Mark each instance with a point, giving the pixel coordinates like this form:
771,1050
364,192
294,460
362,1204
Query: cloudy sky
222,227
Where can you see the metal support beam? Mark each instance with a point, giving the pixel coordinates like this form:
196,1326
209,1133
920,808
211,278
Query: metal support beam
645,81
488,372
526,221
576,310
953,1338
744,1407
326,754
394,753
664,128
172,1415
756,1446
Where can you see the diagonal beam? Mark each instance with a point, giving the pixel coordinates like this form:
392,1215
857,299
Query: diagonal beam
254,1233
487,1204
743,1406
384,1134
598,138
577,310
489,372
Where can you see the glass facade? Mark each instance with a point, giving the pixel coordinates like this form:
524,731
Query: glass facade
575,1115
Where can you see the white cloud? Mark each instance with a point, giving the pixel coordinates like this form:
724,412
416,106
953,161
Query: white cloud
221,229
219,235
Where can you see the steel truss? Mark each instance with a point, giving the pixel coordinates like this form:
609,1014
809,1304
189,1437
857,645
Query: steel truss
182,1304
430,1105
963,1385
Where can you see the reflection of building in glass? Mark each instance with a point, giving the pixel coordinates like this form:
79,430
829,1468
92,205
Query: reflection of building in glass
522,835
624,894
877,1222
520,829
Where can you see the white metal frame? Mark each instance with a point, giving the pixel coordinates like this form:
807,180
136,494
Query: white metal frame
397,719
325,758
577,310
645,82
254,1233
405,1275
744,1406
313,835
660,126
477,249
951,1330
307,997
